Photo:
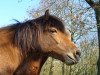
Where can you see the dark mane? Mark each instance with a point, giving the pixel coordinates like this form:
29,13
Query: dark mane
52,21
26,33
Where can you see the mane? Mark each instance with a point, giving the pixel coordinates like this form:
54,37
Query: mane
25,34
52,21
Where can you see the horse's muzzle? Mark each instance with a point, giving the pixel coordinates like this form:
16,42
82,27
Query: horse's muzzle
69,60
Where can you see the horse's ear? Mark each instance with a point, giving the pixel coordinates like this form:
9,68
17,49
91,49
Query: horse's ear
46,14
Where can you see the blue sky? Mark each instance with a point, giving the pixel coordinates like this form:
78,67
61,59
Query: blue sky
13,9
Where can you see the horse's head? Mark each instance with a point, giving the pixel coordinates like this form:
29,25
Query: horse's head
55,40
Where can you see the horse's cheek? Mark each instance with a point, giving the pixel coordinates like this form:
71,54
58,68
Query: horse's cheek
56,38
45,43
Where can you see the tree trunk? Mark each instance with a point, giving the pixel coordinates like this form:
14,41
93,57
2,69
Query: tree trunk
96,7
97,13
51,72
63,68
70,71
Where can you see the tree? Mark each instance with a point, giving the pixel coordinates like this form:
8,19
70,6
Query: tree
79,19
96,6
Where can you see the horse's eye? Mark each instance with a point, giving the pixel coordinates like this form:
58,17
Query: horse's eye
53,30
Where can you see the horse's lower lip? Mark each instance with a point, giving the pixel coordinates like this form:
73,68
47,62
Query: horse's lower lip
70,61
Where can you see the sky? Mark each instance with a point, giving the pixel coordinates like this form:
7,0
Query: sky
15,9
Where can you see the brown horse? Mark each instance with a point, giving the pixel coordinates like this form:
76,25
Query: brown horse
24,47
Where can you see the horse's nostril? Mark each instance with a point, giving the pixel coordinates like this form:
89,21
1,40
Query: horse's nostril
78,53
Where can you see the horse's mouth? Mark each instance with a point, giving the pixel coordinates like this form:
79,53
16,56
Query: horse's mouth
70,61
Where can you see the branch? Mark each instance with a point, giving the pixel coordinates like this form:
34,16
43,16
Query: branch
90,2
94,5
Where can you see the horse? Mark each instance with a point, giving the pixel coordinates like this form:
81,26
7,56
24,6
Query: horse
24,47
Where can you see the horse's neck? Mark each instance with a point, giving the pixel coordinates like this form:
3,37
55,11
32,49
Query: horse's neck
5,36
31,66
36,65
